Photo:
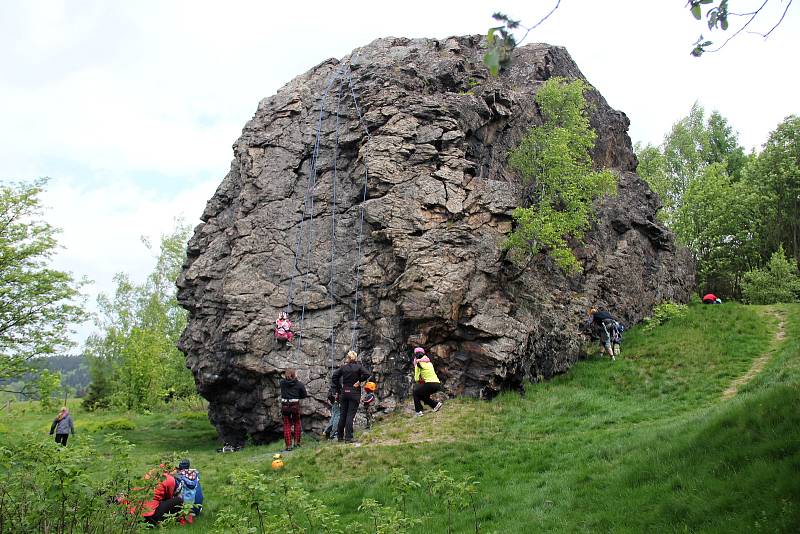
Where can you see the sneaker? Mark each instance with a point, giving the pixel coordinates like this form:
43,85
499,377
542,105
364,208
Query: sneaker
418,414
437,407
287,449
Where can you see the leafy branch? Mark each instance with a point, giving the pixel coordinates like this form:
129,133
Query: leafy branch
718,15
500,47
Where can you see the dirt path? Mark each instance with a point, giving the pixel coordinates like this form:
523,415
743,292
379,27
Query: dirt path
761,361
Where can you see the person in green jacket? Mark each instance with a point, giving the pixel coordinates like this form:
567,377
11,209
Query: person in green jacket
426,383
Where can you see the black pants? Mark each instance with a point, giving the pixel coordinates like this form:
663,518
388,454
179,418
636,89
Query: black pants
422,393
170,506
349,404
62,439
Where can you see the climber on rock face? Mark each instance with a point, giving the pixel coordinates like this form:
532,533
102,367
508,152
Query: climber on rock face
347,381
283,329
292,390
426,383
608,329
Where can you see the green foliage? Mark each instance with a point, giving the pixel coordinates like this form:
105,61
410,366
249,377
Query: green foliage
717,19
779,282
47,384
37,303
48,488
135,362
664,312
116,424
500,43
713,197
555,164
261,503
717,221
777,179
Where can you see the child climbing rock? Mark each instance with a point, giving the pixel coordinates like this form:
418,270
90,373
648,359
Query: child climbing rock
283,329
292,390
426,383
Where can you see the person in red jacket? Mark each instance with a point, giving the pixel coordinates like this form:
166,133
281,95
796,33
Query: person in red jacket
166,500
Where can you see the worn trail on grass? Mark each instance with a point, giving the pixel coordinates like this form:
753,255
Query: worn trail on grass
761,361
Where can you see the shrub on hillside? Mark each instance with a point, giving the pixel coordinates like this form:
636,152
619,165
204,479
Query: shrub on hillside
779,282
48,488
664,312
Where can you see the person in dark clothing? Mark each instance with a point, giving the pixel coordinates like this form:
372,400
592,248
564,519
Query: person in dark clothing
347,381
292,390
62,426
605,326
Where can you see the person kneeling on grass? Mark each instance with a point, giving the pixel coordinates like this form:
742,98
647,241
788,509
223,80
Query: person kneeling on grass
426,382
166,499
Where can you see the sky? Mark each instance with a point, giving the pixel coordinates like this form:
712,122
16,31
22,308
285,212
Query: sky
131,108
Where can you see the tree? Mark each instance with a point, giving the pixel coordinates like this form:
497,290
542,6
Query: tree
777,174
135,361
556,168
691,146
38,304
779,282
719,222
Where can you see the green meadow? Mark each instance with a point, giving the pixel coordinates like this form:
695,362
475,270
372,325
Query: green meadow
695,428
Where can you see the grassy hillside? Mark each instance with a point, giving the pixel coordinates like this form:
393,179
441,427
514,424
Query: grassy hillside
649,443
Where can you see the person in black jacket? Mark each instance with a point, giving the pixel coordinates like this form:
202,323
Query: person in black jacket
292,390
605,326
347,381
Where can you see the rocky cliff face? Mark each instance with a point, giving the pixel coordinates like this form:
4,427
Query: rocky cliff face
426,128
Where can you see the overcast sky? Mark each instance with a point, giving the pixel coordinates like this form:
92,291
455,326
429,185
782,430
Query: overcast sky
131,108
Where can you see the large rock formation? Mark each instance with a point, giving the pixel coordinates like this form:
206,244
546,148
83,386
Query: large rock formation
431,132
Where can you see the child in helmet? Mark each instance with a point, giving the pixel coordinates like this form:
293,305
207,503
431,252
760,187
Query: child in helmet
426,382
369,400
283,329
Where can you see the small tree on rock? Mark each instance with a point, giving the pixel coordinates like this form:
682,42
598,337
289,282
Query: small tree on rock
556,167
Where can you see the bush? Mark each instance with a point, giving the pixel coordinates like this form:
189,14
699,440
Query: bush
664,312
48,488
779,282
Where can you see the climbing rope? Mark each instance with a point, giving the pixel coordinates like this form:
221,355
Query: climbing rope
308,200
306,229
333,230
354,324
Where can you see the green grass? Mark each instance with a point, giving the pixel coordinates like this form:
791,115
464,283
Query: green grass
643,444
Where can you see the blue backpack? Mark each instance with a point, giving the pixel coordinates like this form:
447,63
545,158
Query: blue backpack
191,493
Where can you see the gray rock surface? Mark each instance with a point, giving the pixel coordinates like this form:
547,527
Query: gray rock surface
431,132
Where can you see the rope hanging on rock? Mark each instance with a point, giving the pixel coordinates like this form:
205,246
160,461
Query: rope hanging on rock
334,209
306,230
354,324
308,200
